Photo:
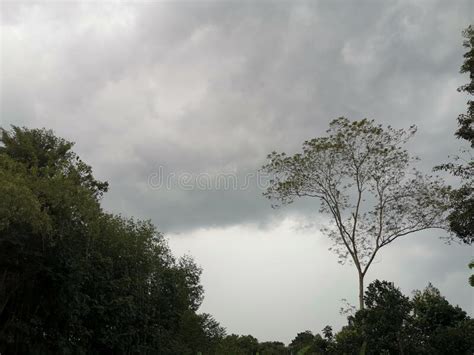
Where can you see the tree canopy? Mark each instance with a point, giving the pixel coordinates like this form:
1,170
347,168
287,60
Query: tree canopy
75,279
392,323
461,216
466,120
365,181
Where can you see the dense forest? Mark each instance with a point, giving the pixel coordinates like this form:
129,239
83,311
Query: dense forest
75,279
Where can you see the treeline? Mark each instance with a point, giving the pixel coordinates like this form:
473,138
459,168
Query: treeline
391,323
75,279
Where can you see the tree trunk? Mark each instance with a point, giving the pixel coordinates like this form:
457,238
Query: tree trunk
361,291
400,345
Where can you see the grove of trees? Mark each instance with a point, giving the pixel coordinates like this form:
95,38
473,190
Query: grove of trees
392,323
75,279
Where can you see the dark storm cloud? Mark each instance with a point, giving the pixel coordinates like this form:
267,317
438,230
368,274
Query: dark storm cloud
202,86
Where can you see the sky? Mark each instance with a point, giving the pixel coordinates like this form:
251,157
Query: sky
177,104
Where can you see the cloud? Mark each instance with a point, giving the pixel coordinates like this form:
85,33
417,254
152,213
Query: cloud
200,87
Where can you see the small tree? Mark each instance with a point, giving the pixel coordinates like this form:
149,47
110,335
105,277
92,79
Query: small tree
361,174
382,321
303,340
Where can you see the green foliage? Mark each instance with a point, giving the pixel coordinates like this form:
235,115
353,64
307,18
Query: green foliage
272,348
302,342
461,217
438,326
382,321
77,280
461,220
201,333
471,278
466,121
238,345
327,332
348,340
46,155
391,323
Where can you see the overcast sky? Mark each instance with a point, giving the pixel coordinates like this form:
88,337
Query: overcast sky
208,89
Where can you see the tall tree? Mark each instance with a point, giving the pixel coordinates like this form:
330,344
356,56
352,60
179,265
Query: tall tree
361,175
